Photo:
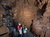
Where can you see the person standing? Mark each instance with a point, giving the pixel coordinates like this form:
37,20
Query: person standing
20,32
31,26
25,31
19,27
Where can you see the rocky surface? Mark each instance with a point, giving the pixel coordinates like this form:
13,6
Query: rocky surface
27,10
3,30
24,11
1,12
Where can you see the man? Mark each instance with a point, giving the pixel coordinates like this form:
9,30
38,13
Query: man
31,26
19,30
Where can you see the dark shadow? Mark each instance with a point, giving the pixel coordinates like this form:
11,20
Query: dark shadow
6,7
40,0
15,24
0,1
37,3
42,10
31,26
3,34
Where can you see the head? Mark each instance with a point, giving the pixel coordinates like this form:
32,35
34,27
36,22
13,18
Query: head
19,23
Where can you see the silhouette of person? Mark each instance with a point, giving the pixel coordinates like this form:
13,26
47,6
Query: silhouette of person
31,26
25,31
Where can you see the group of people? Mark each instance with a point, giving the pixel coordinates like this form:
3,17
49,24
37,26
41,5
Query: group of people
22,30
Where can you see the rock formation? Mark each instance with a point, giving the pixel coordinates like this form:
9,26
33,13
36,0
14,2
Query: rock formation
27,10
24,10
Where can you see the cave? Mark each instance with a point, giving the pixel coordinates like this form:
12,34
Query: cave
32,14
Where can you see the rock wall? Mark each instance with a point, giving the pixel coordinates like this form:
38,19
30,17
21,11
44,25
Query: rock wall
1,12
41,27
27,10
24,10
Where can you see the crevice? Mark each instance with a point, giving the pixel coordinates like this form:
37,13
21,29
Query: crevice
42,10
31,26
40,0
44,7
37,3
3,34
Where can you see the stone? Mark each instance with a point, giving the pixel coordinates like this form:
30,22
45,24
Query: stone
3,30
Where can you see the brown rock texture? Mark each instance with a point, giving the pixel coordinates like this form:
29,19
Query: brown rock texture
1,12
24,11
47,13
3,30
27,10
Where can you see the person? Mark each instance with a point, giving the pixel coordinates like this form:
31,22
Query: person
24,31
18,27
19,30
31,26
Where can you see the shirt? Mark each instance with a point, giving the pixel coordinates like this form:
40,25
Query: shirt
20,31
18,27
25,30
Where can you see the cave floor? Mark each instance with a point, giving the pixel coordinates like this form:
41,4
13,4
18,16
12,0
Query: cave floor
4,31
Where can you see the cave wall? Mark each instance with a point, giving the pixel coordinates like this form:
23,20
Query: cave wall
24,10
1,12
27,10
42,25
